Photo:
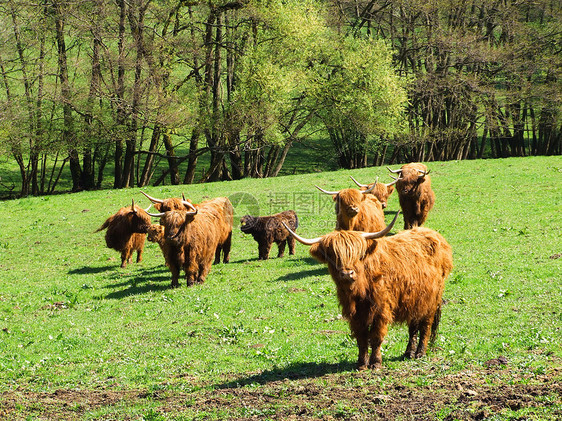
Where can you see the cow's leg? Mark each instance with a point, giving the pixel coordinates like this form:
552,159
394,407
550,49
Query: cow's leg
361,332
204,268
191,268
425,332
125,257
378,332
226,248
281,246
175,269
264,246
413,331
218,254
139,255
291,242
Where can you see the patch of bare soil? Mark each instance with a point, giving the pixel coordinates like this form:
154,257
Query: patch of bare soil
385,394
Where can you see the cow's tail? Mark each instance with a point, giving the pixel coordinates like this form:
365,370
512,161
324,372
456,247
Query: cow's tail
296,221
435,325
104,226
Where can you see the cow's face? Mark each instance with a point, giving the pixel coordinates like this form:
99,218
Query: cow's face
409,182
173,222
247,223
344,252
348,202
155,233
382,192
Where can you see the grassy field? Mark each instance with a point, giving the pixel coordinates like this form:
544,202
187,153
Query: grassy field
83,339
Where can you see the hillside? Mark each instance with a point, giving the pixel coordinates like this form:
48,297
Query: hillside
84,339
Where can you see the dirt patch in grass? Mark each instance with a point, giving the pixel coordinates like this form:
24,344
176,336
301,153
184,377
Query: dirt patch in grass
386,394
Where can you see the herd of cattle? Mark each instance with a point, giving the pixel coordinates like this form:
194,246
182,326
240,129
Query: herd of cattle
379,279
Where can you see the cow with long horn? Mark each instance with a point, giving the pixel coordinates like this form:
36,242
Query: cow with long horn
414,193
380,190
357,210
220,206
126,232
382,280
192,238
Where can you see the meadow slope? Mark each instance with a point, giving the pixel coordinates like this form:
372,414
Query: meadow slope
84,339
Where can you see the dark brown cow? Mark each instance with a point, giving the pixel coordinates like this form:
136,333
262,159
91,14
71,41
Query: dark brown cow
267,230
191,238
220,206
126,232
357,210
414,193
381,191
382,280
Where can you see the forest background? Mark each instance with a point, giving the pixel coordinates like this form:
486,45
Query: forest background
128,93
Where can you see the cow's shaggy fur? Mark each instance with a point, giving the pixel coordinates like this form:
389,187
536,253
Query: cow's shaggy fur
357,211
267,230
220,207
126,232
415,194
191,241
392,279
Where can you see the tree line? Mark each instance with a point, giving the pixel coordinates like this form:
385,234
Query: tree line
126,87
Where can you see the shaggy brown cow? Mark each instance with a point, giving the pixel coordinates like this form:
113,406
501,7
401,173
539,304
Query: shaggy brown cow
221,206
357,210
382,280
381,191
191,239
268,229
126,232
414,193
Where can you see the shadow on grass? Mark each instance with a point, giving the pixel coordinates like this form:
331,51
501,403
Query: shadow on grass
302,274
297,371
88,270
148,280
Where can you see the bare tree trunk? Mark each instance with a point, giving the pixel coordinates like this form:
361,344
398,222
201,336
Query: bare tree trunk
68,134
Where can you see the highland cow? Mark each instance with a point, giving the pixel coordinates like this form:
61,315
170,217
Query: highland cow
191,238
383,280
126,232
357,210
414,193
380,190
267,230
221,207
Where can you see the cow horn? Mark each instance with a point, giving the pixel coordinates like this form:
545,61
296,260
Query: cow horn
189,205
358,183
394,171
152,199
423,173
369,190
326,191
305,241
156,215
133,206
373,235
392,183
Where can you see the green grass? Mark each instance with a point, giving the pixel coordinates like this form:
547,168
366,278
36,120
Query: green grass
71,319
